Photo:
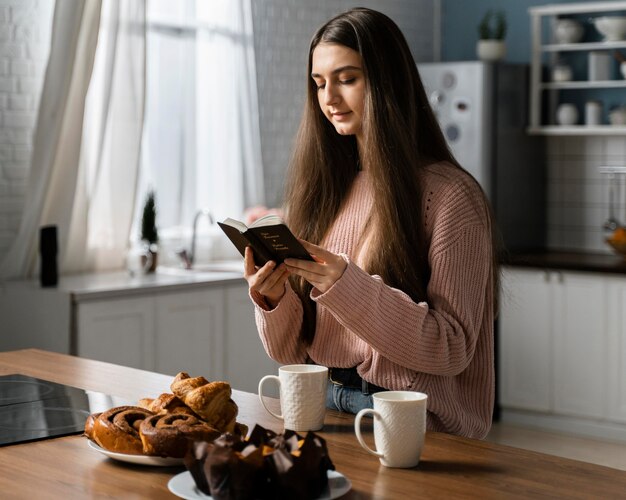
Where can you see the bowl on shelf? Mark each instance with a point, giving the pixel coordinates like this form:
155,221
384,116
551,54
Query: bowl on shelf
568,31
612,27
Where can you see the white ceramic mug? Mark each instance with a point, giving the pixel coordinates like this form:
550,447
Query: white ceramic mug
302,396
399,427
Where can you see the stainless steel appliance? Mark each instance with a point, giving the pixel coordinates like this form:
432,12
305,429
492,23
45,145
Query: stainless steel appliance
482,110
32,409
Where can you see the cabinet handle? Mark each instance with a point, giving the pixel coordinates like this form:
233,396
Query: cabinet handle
561,279
546,276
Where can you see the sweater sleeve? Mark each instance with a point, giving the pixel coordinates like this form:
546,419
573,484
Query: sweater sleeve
279,328
436,337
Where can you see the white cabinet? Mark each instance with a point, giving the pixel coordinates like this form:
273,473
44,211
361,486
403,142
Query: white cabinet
208,331
244,356
617,349
525,341
117,331
189,331
547,94
562,350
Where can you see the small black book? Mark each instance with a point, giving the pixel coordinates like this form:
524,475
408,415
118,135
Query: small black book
269,237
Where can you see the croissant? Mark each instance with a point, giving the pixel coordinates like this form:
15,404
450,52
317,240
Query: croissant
117,429
210,400
165,403
169,434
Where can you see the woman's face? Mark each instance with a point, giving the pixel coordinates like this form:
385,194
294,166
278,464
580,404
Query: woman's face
338,75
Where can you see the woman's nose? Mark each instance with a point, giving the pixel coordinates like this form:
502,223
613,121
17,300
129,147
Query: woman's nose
330,94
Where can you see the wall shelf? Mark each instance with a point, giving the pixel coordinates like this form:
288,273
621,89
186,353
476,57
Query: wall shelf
547,93
603,130
567,47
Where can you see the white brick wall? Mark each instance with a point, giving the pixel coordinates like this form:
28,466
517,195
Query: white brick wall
24,45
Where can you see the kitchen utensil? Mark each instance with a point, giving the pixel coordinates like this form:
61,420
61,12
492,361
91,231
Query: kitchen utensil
399,427
568,31
612,27
302,396
611,223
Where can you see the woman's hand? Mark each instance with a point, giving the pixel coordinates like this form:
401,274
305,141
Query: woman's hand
324,272
268,280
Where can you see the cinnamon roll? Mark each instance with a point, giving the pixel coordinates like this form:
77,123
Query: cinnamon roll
117,429
169,434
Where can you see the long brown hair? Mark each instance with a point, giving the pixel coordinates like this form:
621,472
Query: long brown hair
400,136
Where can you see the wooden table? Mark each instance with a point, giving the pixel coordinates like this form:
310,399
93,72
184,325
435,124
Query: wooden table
451,467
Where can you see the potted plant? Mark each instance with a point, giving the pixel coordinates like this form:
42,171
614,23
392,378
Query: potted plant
491,33
149,232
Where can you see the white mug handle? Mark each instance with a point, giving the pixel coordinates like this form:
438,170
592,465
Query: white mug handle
261,382
357,429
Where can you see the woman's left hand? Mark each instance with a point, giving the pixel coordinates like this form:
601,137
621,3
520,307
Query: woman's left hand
324,272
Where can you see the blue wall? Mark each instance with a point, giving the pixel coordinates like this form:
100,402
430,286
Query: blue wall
460,19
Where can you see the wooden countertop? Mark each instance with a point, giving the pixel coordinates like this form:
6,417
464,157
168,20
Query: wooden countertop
451,467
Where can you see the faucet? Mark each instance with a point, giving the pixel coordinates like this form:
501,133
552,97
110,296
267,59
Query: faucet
199,213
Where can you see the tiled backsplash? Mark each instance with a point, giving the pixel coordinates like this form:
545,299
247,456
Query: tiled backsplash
578,194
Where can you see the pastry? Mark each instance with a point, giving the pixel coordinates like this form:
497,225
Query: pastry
170,434
91,419
210,400
264,466
166,403
117,429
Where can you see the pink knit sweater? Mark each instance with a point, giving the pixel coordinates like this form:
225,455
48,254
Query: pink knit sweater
442,347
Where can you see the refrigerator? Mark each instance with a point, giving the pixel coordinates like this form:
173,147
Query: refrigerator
482,109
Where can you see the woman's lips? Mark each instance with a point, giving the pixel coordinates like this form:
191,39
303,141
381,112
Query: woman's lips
341,116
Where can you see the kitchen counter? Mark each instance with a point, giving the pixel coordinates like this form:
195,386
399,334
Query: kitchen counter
451,467
569,261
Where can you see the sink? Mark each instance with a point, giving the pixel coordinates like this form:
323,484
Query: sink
218,266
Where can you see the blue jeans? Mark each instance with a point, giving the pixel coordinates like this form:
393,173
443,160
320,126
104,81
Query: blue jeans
347,399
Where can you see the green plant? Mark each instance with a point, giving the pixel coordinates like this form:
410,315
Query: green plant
149,230
492,26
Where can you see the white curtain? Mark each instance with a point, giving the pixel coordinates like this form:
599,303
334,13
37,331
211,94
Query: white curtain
227,109
110,157
56,150
87,139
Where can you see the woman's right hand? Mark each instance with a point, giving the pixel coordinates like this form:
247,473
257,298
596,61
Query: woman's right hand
268,280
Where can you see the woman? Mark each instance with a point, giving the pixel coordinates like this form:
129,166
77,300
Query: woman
401,295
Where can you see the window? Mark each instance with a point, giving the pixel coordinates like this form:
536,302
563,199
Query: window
201,143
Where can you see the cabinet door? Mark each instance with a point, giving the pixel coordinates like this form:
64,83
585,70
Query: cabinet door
617,349
580,345
118,331
189,331
525,340
246,359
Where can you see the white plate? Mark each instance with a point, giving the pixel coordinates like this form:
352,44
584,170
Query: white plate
184,486
137,459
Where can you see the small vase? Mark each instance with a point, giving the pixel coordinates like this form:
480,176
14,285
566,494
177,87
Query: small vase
567,114
490,50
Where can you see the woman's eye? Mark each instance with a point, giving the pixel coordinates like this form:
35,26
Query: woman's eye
320,86
347,81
